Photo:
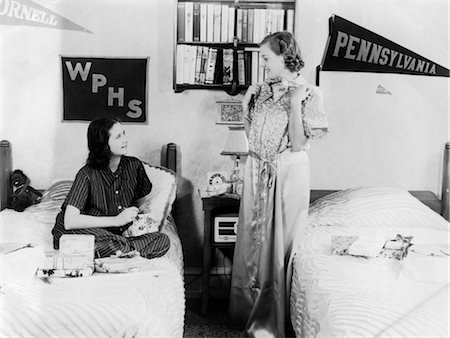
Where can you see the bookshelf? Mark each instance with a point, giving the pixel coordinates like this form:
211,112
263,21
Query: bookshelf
216,42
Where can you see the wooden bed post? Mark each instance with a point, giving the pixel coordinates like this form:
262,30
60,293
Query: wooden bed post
6,169
446,183
170,157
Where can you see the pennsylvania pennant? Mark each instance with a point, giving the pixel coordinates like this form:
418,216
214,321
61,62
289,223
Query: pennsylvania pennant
28,13
353,48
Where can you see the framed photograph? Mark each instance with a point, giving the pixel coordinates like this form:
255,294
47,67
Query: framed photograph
230,113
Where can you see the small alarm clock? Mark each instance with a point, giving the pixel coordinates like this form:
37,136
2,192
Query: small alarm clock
217,183
216,178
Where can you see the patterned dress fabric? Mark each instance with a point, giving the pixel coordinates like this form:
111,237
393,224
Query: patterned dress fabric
274,207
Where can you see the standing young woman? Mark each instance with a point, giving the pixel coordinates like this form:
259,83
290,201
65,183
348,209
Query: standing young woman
282,114
102,199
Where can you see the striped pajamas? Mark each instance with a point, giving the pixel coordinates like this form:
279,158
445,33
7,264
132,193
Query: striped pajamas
100,192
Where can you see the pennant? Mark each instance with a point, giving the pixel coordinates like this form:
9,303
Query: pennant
353,48
28,13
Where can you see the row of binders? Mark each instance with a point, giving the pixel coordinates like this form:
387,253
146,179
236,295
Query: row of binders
202,65
215,22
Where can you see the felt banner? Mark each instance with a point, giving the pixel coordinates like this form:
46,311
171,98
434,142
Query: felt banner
353,48
28,13
97,87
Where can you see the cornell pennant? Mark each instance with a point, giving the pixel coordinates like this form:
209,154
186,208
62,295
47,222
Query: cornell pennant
19,10
361,50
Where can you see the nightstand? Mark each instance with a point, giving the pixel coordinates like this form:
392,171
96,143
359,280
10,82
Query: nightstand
212,207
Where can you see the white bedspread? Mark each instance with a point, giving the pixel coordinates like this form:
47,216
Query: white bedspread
346,296
149,303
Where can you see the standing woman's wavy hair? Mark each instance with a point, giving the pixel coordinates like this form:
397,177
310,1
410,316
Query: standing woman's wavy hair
283,43
98,137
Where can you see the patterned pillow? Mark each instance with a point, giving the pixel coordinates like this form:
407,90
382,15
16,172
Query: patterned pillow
57,192
51,202
158,203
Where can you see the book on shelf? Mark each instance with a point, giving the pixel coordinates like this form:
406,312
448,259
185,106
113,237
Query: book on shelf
253,64
203,22
241,67
248,67
218,70
210,23
196,21
192,63
198,64
239,24
179,77
231,14
217,22
204,63
268,23
186,63
180,22
227,66
244,25
188,21
211,65
224,24
261,33
250,24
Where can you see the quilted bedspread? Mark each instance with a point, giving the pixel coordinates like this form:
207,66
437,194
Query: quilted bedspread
149,303
348,296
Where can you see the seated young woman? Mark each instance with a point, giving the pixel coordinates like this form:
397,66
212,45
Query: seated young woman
102,200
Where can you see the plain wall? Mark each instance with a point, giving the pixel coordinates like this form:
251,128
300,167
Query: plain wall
375,139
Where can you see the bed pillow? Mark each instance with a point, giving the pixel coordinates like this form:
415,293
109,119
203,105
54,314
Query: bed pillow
51,202
158,203
57,192
374,207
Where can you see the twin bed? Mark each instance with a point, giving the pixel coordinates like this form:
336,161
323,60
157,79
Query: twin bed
146,303
354,296
331,295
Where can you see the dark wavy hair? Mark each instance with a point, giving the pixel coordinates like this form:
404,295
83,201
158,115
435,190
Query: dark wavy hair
97,137
283,43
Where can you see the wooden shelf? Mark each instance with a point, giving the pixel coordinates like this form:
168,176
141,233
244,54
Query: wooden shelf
241,35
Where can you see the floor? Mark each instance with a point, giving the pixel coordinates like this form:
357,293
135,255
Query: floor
215,323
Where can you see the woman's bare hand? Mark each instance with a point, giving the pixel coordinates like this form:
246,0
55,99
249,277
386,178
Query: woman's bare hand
127,215
249,97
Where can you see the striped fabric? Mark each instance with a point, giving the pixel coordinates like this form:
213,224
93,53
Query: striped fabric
104,193
345,296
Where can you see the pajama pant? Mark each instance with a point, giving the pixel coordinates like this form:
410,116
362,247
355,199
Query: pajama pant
151,245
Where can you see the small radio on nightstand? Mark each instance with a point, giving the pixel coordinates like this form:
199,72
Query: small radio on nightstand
225,228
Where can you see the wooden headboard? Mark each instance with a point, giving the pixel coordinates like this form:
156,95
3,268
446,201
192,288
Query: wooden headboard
170,158
441,206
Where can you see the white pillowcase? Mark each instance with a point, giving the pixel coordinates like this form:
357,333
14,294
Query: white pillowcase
158,203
